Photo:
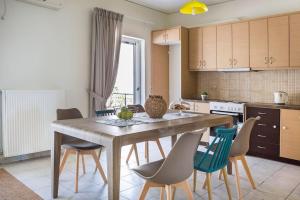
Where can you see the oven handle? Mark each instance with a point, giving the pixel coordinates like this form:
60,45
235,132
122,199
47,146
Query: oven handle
224,113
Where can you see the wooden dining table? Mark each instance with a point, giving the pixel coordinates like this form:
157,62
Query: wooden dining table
113,138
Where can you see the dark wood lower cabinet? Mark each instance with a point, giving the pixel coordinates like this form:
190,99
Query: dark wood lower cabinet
265,136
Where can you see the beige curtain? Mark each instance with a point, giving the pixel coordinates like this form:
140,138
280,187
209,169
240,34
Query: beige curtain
106,42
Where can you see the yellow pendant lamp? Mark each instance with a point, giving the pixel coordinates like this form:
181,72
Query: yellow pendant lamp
193,8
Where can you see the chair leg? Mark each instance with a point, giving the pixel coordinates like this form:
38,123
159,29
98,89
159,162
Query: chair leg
162,193
77,171
160,148
169,192
220,175
136,154
144,191
246,167
99,167
224,172
187,189
83,164
130,153
194,180
208,183
99,155
204,184
147,151
237,176
64,159
173,193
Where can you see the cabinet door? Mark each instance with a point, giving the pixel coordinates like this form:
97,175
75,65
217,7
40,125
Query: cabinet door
159,37
295,40
224,46
289,134
202,107
173,36
210,47
195,48
160,71
259,49
279,41
240,44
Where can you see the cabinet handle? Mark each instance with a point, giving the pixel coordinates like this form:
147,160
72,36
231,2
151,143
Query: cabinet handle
261,124
260,147
234,62
284,128
262,136
274,126
266,60
271,60
262,113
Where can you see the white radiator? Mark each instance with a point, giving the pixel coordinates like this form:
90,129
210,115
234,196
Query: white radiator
26,118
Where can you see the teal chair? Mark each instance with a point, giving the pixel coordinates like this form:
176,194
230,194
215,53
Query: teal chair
215,158
101,113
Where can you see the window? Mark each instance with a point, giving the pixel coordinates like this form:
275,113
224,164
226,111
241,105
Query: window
128,86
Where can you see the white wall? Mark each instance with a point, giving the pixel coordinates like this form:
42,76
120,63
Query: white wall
234,11
46,49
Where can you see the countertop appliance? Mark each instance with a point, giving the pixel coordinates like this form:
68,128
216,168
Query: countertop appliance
281,98
234,109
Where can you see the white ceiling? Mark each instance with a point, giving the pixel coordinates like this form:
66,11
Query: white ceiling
171,6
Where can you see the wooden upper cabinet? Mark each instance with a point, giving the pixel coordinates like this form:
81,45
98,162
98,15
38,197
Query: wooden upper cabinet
173,36
289,134
224,46
295,40
240,44
279,41
159,37
195,48
166,37
259,49
209,47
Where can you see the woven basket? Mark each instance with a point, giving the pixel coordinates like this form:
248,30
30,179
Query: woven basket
156,106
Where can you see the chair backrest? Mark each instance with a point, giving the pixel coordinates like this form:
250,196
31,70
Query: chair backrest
240,144
101,113
71,113
178,165
63,114
136,108
220,147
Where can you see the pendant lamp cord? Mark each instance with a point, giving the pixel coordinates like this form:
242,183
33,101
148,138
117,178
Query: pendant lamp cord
4,10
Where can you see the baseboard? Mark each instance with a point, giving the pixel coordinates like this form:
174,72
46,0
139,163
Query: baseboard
4,160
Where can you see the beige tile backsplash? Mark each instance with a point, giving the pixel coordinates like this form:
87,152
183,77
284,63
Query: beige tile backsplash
250,86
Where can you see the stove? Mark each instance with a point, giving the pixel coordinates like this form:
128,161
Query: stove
232,107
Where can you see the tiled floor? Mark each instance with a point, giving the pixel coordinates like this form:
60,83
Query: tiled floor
275,180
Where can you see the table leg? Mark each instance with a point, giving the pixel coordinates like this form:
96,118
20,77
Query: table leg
174,139
55,160
113,169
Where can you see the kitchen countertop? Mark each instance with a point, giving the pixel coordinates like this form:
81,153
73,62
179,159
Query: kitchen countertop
254,104
273,106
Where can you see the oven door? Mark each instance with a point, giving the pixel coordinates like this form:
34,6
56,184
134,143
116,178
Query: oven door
238,120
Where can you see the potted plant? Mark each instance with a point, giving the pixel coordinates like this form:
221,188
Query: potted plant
204,96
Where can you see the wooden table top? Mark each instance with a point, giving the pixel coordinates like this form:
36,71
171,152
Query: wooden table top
90,130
